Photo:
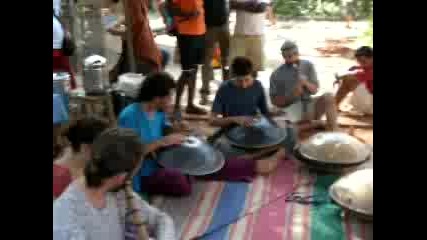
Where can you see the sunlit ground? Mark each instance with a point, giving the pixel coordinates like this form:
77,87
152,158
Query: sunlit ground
328,44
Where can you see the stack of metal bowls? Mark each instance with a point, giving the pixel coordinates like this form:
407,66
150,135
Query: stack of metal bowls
193,157
332,152
354,193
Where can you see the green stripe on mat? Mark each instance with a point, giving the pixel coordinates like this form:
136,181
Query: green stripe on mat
326,221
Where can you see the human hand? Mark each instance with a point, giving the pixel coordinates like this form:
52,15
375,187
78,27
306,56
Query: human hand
243,121
279,100
173,139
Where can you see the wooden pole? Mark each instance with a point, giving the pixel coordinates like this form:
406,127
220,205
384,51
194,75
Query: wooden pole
129,39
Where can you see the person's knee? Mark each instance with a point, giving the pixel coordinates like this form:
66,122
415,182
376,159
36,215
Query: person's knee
329,99
183,186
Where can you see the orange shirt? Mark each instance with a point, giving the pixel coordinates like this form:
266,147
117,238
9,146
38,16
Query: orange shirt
195,25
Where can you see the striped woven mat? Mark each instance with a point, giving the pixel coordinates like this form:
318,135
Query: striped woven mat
258,210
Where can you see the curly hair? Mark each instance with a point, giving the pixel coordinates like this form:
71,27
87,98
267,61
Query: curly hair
155,85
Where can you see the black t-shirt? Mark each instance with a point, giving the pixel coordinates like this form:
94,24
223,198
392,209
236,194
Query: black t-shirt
216,12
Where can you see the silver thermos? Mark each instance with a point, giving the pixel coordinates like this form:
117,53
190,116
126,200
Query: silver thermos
95,75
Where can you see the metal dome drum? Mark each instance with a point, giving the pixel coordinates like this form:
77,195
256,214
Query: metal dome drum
193,157
261,134
334,148
354,192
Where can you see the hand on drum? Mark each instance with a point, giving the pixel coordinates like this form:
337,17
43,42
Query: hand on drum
173,139
244,121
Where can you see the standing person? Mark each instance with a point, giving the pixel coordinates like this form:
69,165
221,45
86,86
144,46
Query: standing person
149,57
360,81
217,32
95,205
248,39
190,21
292,85
61,62
69,167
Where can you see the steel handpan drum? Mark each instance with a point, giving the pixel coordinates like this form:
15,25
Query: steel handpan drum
193,157
261,134
354,193
334,148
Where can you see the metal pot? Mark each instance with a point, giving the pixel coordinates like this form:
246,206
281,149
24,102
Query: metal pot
95,75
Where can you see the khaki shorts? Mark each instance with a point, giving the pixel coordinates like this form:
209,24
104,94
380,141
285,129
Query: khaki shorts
295,114
251,47
362,100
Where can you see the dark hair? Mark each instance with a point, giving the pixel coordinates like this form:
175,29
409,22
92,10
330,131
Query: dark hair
242,66
155,85
364,51
115,151
84,131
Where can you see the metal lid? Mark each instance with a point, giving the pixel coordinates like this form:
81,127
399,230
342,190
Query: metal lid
95,61
355,192
193,157
260,135
334,148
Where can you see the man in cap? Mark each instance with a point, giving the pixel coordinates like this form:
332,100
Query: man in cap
292,85
94,206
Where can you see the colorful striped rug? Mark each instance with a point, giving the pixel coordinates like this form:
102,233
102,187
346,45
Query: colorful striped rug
243,211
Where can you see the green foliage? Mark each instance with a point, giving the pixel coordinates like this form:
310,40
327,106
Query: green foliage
322,8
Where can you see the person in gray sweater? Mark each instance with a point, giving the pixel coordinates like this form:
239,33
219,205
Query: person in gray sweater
94,206
292,86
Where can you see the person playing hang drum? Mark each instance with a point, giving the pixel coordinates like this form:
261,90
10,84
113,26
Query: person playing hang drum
237,102
147,118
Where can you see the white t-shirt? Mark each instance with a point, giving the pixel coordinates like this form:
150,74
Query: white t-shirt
58,34
251,24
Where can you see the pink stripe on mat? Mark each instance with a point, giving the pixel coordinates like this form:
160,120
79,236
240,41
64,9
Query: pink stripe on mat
348,227
202,214
271,221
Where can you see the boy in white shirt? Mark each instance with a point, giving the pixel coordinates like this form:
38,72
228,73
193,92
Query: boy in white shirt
248,39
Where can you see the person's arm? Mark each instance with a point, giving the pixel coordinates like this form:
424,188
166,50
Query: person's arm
160,222
262,103
119,29
312,83
218,109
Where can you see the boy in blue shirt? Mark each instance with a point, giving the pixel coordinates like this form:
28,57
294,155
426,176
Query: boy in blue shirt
147,118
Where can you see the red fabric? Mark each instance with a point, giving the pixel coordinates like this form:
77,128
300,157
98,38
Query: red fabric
62,63
61,179
365,75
